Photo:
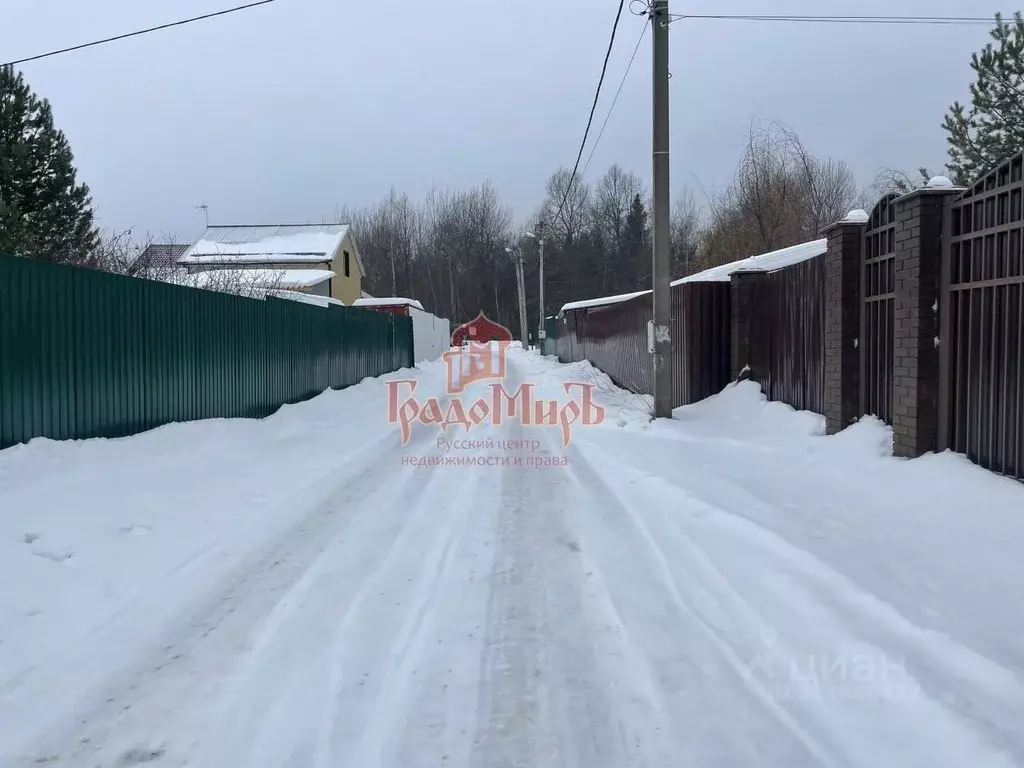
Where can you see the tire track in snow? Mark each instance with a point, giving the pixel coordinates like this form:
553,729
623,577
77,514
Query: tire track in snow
836,613
330,610
240,621
606,495
552,691
460,498
343,641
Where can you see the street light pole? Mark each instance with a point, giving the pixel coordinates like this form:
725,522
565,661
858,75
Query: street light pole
539,237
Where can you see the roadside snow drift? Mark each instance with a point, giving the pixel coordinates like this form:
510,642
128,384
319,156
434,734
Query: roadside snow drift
727,588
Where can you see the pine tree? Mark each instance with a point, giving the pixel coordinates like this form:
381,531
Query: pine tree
638,245
993,128
44,213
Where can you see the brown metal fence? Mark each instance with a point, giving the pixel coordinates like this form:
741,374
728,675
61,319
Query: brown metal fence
787,345
614,339
982,364
878,287
701,335
975,318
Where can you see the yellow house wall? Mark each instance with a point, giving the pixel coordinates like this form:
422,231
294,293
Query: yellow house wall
346,289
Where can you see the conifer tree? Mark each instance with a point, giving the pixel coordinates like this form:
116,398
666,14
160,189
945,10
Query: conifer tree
44,212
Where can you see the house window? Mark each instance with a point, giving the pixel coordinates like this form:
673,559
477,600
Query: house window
347,268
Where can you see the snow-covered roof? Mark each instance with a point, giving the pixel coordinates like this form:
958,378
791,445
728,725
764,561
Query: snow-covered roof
600,302
259,278
768,262
275,243
306,298
394,301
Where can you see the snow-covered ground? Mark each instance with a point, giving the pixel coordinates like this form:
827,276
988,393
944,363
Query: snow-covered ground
729,588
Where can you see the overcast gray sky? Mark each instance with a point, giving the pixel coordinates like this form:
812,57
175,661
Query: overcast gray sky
285,112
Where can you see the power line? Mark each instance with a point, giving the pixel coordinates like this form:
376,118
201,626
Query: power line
137,33
593,108
934,20
643,31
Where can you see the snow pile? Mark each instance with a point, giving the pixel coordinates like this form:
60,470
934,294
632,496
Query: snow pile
91,531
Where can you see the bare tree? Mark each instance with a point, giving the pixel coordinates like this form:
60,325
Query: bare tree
684,233
612,199
781,195
828,187
566,222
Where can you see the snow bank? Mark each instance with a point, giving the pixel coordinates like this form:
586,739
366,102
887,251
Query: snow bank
935,539
91,528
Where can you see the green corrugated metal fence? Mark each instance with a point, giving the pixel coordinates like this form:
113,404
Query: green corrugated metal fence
88,354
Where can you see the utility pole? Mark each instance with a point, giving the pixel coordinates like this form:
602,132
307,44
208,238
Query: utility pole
662,335
517,254
525,328
541,332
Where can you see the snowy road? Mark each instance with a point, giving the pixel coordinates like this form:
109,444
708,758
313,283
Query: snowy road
726,589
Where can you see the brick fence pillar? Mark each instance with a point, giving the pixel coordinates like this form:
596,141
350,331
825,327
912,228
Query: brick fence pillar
741,303
918,276
842,321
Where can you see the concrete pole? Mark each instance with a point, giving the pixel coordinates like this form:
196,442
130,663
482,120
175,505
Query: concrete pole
523,328
540,244
661,276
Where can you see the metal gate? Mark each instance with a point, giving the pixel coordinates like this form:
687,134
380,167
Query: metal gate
981,410
878,266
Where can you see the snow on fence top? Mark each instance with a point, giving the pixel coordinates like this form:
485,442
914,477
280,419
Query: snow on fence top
306,298
394,301
764,261
767,262
600,302
254,245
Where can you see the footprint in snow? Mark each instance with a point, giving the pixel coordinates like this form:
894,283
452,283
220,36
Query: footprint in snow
137,756
30,538
57,557
136,530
